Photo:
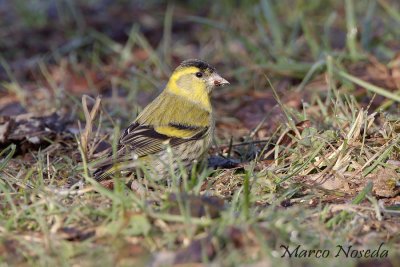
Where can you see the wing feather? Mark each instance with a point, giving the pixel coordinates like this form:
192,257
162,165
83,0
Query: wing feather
142,140
145,139
168,120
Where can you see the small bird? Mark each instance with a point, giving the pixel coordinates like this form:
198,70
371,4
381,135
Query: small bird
180,118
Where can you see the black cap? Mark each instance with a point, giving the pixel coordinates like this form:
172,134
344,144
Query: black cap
203,66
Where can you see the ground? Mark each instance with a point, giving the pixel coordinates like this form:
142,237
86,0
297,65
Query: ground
304,168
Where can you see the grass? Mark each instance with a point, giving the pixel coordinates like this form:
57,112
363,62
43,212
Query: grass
312,117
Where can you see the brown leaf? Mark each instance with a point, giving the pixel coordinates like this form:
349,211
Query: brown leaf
287,138
79,79
236,236
9,246
385,182
199,206
379,74
329,182
196,251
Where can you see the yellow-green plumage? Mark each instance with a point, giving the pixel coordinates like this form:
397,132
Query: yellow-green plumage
180,117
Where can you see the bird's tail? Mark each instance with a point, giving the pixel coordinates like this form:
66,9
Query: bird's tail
103,172
106,170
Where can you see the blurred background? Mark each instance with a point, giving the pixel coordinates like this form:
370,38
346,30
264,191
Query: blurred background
52,52
314,95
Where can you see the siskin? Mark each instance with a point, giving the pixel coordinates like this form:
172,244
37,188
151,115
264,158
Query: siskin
180,118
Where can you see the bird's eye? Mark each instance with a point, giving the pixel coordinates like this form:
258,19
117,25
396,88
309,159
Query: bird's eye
199,74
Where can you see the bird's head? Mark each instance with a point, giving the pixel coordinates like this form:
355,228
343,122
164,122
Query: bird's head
194,79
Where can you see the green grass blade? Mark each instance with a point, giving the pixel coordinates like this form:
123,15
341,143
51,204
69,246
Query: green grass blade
11,148
274,24
351,40
370,87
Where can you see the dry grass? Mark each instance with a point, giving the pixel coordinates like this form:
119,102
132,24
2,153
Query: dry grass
308,134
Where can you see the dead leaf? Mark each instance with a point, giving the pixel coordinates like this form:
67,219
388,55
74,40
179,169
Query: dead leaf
199,206
196,251
287,138
385,182
30,132
329,182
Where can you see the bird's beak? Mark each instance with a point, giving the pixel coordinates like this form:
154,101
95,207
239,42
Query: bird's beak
217,80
